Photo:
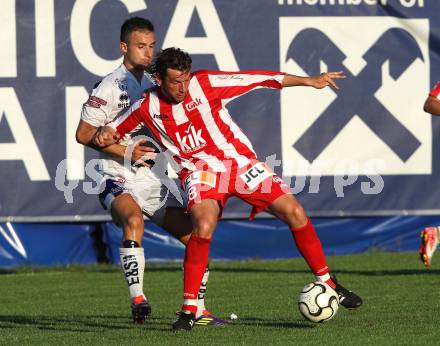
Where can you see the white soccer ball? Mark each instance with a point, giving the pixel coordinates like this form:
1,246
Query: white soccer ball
318,302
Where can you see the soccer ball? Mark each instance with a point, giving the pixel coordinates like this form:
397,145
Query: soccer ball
318,302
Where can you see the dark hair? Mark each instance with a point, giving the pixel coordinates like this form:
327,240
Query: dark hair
173,58
135,24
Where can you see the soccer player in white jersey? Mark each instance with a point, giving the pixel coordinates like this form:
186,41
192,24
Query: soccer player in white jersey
131,191
217,160
430,235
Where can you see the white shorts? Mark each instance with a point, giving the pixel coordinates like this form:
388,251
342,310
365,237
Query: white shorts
152,196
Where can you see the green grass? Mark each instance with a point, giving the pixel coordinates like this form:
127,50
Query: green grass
89,305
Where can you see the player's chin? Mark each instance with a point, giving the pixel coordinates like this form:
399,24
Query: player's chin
178,99
141,66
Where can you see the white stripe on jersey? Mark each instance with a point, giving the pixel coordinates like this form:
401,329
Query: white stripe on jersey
237,79
179,114
154,108
212,161
172,150
238,134
213,130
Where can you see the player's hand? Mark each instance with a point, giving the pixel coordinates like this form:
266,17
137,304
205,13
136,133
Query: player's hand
105,136
326,79
141,154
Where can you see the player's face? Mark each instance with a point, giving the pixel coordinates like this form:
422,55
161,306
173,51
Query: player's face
175,85
139,50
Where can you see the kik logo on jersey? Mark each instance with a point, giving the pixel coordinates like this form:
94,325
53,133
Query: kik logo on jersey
376,115
191,139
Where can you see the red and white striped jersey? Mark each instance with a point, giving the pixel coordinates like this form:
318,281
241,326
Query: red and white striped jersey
199,133
435,92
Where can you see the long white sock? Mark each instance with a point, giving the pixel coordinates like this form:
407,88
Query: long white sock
201,295
133,266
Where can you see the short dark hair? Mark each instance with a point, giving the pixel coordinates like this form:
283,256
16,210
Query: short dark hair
173,58
135,24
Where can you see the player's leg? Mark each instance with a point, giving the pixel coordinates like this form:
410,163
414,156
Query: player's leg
204,216
165,210
178,223
126,212
430,240
288,209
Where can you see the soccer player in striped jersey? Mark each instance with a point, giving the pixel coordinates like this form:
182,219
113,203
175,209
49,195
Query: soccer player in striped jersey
430,235
187,114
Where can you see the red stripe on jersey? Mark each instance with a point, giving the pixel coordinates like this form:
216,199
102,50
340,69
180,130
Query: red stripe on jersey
435,91
127,121
150,118
211,147
231,136
219,129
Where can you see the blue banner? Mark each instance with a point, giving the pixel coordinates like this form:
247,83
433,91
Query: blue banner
55,244
365,149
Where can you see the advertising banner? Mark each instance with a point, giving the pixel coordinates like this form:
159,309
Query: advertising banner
366,148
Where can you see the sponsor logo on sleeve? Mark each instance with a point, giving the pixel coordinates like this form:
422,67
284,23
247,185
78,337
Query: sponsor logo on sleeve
95,102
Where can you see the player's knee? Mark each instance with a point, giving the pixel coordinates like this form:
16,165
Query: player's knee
134,224
295,214
204,228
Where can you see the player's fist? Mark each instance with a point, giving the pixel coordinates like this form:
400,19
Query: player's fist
105,136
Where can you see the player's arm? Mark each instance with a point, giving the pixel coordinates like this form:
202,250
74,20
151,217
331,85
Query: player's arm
93,115
139,152
229,85
321,81
432,105
84,136
120,126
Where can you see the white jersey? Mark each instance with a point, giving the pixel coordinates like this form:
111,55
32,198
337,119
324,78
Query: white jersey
109,98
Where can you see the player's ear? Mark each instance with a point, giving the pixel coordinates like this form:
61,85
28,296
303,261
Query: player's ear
123,47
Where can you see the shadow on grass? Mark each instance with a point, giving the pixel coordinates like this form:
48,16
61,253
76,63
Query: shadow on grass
81,324
99,324
355,272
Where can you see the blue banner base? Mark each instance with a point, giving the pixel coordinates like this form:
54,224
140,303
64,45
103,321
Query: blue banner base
46,244
24,244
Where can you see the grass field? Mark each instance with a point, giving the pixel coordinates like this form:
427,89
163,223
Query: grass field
89,305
